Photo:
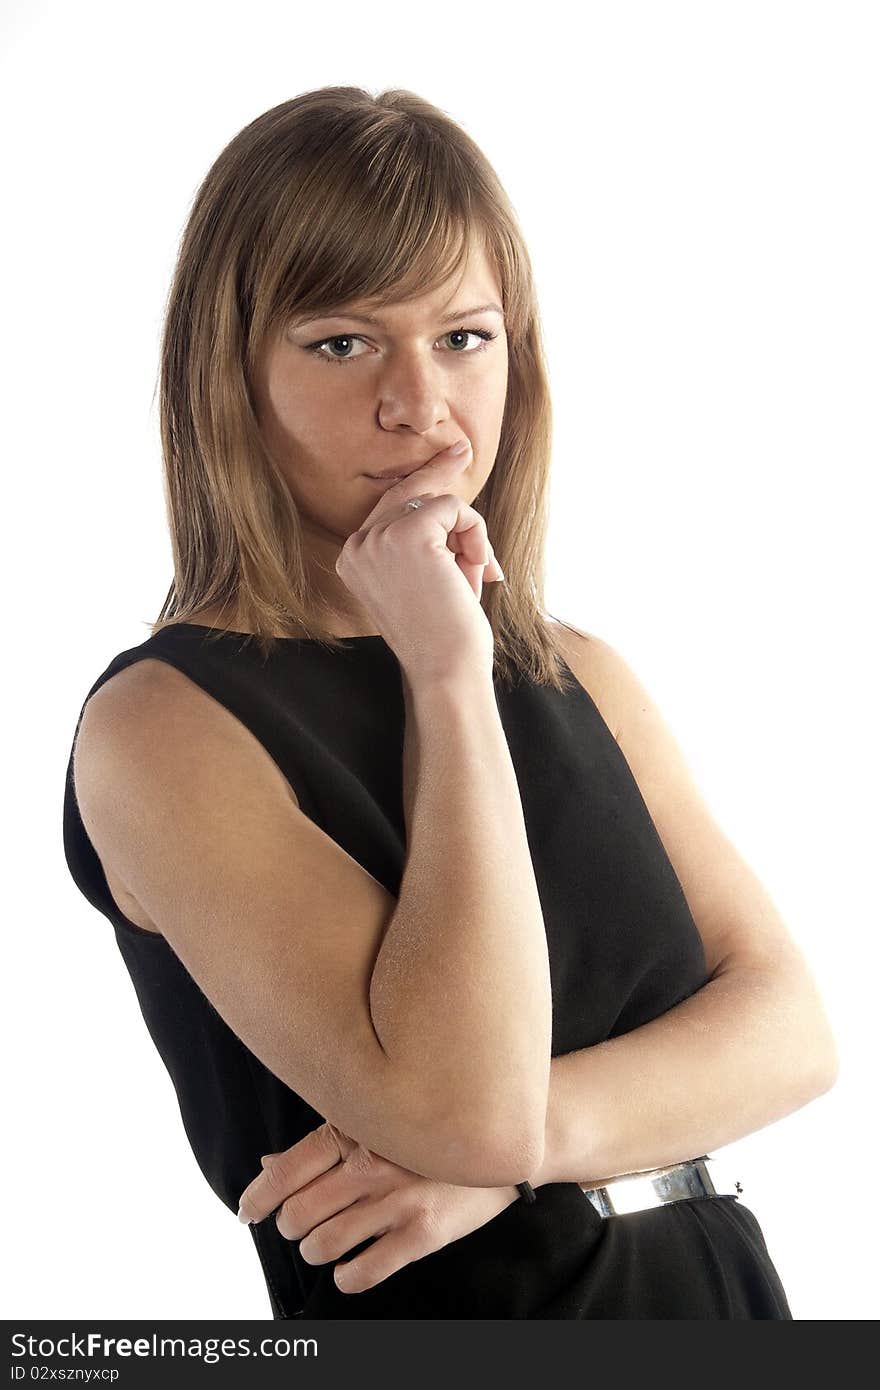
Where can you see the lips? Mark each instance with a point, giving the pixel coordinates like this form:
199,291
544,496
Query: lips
383,484
396,473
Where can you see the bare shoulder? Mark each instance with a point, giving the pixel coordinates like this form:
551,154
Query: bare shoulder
114,704
145,686
135,691
182,718
161,714
599,668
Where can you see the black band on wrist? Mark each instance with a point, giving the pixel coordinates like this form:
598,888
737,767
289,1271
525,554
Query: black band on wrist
526,1192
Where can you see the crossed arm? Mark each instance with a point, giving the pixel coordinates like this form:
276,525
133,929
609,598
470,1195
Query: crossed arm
748,1048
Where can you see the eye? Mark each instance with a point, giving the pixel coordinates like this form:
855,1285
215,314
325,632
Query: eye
481,333
317,348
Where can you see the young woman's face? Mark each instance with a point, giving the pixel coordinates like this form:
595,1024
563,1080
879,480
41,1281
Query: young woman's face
338,398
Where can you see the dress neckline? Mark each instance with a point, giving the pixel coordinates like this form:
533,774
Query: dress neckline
230,632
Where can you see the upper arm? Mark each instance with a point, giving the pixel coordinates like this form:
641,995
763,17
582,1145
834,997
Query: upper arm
733,912
735,915
275,922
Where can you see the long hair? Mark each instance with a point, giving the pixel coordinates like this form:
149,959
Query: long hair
334,196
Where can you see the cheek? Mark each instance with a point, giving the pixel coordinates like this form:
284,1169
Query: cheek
483,399
311,433
320,471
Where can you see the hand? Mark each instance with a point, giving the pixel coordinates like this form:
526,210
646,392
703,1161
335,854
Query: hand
419,573
331,1194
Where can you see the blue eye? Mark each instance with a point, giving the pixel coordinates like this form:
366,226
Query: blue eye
316,348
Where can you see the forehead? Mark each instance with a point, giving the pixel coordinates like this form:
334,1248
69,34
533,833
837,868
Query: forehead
475,283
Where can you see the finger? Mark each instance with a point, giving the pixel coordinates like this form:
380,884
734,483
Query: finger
320,1200
470,539
476,546
488,560
463,528
493,572
473,574
432,475
485,567
286,1172
399,1246
436,476
340,1233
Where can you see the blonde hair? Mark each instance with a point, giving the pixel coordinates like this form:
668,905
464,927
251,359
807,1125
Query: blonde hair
334,196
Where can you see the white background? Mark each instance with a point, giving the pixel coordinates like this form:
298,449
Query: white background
697,184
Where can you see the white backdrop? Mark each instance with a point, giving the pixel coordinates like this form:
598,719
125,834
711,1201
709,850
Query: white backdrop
697,184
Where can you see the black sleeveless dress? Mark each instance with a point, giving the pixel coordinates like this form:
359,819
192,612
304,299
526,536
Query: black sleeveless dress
623,948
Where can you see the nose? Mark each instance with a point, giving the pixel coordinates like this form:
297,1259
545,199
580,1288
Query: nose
412,395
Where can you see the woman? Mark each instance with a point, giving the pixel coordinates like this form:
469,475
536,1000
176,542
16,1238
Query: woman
465,951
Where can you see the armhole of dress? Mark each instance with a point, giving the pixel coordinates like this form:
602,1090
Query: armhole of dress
82,859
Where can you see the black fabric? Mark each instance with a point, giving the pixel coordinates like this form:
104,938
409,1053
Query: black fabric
623,948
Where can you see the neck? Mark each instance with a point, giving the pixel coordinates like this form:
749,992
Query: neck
338,609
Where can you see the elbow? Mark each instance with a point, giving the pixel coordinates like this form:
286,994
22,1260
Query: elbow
498,1151
826,1068
810,1040
829,1072
820,1075
519,1160
490,1163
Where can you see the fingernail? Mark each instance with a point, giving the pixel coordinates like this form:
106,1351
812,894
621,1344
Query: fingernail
242,1216
461,447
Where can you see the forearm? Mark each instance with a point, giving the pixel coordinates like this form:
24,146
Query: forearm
750,1047
461,984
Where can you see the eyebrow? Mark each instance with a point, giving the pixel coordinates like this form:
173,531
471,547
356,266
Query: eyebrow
379,323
